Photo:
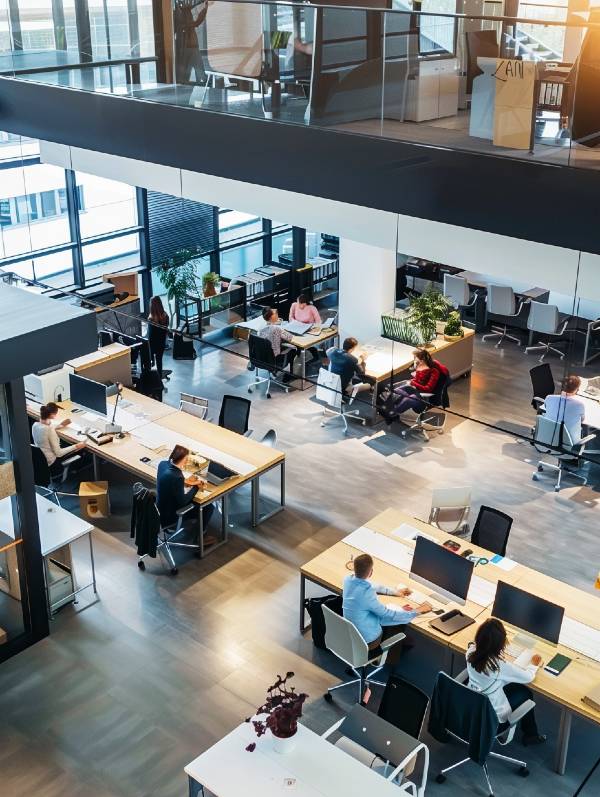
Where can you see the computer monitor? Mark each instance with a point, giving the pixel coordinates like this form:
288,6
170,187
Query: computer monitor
88,394
523,610
443,571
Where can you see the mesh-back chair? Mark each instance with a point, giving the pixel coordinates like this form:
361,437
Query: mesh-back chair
234,414
343,639
194,405
542,384
42,475
262,358
491,530
552,437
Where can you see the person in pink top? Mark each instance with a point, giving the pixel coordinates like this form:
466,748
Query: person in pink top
306,313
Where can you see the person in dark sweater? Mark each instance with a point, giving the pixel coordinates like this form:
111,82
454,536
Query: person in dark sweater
425,377
158,323
347,365
171,494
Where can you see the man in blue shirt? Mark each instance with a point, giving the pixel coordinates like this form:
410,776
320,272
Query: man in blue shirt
363,608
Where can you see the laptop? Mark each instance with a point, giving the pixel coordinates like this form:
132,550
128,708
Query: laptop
217,474
329,322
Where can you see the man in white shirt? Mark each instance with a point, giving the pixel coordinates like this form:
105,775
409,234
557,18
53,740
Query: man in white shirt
566,407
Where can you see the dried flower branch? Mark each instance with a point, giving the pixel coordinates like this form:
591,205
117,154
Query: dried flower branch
283,709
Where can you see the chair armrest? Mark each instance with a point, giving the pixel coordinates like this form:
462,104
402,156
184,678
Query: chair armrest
562,327
391,641
286,345
184,510
462,677
580,445
249,433
520,712
333,729
71,460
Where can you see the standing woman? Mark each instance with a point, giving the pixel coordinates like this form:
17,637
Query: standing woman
502,681
158,323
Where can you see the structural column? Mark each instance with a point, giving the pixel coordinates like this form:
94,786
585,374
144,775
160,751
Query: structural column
367,288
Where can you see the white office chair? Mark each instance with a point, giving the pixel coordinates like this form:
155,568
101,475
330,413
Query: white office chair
329,391
501,301
194,405
450,505
344,641
547,440
545,319
457,290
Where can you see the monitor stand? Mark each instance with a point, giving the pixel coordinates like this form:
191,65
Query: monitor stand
439,598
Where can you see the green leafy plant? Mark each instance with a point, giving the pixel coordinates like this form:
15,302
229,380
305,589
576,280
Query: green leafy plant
178,276
210,280
453,326
417,325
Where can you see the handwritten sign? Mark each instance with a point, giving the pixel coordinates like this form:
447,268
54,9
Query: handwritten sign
513,108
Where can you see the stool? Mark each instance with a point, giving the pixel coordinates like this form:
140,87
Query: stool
93,499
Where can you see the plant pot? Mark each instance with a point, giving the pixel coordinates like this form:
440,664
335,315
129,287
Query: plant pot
209,289
283,745
452,338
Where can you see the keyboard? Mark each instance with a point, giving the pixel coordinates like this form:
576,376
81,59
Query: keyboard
514,651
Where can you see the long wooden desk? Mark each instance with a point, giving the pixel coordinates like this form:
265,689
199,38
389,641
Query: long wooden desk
329,569
129,451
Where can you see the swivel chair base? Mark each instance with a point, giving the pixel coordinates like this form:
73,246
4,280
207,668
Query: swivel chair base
502,334
545,347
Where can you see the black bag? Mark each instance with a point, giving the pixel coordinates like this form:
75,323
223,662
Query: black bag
314,607
183,347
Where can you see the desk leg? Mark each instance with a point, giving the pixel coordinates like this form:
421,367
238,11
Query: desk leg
93,563
303,360
302,599
47,580
194,788
255,500
95,464
562,745
201,532
282,483
224,517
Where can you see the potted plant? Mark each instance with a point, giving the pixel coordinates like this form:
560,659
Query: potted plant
177,274
453,329
417,325
210,280
283,709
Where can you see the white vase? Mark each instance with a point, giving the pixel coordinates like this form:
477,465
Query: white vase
283,746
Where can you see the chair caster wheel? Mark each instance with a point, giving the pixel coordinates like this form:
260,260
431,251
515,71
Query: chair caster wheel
197,554
440,778
404,435
322,423
540,468
249,390
535,477
142,565
328,697
174,571
269,395
556,489
524,772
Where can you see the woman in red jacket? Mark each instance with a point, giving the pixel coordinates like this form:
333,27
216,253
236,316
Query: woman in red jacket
425,377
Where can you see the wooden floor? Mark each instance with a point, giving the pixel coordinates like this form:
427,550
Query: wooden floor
126,691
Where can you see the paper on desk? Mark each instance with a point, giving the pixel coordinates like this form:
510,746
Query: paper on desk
503,562
481,591
381,547
405,531
580,637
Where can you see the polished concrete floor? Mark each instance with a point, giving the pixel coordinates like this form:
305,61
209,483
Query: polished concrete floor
127,690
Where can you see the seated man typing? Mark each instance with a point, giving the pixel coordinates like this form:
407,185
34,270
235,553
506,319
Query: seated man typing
361,606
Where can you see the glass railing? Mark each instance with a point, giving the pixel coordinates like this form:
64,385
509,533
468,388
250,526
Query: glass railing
515,87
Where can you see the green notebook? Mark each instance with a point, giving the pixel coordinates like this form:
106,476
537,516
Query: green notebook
557,664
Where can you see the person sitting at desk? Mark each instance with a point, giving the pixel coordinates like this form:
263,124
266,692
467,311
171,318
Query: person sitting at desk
360,604
566,407
306,313
277,336
502,681
349,367
158,322
47,440
171,494
425,377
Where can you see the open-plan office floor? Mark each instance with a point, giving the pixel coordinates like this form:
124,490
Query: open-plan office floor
126,692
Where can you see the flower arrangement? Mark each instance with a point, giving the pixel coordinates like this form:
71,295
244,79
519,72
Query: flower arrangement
283,709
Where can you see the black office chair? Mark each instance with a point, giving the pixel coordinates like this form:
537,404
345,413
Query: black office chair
469,717
404,705
105,338
234,414
491,530
149,381
260,353
43,477
433,417
542,383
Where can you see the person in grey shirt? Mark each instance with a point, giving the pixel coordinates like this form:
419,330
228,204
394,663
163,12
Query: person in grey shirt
276,336
566,407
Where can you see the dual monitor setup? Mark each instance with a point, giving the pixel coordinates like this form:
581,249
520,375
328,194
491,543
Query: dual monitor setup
449,576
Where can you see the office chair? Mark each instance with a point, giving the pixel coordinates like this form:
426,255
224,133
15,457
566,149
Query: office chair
379,744
491,530
260,353
501,301
450,505
42,475
329,391
105,338
457,290
194,405
149,381
234,414
550,438
166,534
546,320
269,438
344,641
454,708
542,383
433,417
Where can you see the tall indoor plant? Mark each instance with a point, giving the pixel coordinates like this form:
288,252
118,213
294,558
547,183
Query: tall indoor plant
282,709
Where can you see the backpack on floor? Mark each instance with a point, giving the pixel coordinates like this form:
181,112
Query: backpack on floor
314,607
183,346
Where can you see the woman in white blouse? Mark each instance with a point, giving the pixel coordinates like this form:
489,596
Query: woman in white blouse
46,438
502,681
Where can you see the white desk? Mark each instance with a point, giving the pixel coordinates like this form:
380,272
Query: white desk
318,768
592,408
58,528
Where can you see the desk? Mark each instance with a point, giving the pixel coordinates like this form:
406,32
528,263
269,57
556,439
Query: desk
329,569
592,408
58,529
110,363
386,358
223,445
318,768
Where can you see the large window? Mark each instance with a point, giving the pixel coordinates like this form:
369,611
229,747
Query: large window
550,37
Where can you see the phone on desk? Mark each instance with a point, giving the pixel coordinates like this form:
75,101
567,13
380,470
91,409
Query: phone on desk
145,460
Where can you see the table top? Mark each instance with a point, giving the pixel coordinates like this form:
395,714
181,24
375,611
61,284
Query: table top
385,356
315,766
592,409
329,569
57,526
101,355
478,280
300,341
